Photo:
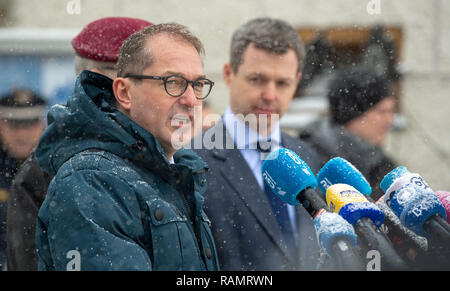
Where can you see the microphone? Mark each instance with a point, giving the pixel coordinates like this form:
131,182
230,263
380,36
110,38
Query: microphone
411,246
407,243
415,203
340,171
444,197
352,205
366,217
291,180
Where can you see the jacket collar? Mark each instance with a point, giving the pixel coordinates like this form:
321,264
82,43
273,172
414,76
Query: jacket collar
334,140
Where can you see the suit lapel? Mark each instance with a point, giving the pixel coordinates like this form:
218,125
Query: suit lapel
240,177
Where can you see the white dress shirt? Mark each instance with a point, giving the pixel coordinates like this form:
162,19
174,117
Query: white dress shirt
245,139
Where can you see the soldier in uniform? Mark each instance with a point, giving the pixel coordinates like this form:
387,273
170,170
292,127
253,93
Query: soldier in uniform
21,125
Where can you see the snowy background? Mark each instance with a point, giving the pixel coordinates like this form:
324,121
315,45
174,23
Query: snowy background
35,50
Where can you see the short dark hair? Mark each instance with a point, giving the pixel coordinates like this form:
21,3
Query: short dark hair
134,58
272,35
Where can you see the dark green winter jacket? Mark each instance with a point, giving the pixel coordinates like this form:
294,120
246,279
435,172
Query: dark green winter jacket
116,203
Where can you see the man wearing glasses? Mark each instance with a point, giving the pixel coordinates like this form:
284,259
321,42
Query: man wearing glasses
124,197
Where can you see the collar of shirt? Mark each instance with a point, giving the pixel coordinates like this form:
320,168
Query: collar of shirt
246,139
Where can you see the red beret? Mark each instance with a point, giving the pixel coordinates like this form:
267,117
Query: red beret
101,40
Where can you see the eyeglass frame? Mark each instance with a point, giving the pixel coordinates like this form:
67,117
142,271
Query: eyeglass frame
164,79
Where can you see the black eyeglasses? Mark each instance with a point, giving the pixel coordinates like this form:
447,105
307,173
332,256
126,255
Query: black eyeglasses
176,85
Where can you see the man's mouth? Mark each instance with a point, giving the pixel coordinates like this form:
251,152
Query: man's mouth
181,119
265,110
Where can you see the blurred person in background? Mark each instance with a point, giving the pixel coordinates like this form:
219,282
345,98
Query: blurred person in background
362,108
21,124
97,50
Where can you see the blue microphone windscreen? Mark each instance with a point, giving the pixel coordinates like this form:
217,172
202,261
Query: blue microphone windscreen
287,175
352,212
340,171
415,205
331,226
391,177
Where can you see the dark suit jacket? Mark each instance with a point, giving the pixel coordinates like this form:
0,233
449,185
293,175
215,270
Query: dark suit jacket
27,195
246,232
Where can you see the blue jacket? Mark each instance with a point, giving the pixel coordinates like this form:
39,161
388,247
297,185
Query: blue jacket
116,203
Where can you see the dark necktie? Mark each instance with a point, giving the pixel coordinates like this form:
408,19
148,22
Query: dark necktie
279,208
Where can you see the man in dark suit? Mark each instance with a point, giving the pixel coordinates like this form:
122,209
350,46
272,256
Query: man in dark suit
253,229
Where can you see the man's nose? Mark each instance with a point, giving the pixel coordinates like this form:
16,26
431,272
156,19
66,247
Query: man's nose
188,98
270,92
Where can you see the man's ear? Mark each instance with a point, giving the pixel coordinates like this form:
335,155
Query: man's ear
121,88
227,73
